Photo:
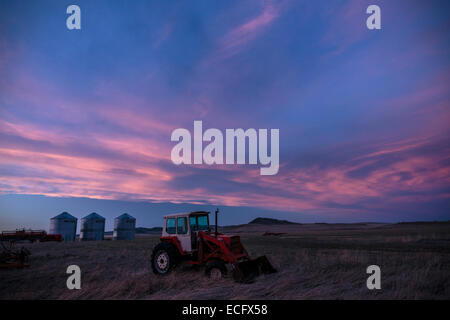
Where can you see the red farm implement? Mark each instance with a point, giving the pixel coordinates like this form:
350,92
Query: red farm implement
29,235
18,258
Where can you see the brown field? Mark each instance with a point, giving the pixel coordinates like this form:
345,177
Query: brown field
317,261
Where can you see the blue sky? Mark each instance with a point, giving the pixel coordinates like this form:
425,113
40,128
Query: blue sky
363,114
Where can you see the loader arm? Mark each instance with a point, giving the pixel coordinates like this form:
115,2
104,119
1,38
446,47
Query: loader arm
229,249
211,248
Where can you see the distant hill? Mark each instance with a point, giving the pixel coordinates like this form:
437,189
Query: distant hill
425,222
140,230
153,230
270,221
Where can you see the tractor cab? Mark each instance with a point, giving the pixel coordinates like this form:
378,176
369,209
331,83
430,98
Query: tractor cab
185,227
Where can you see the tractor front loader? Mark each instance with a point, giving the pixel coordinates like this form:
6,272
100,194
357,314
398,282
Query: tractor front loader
188,238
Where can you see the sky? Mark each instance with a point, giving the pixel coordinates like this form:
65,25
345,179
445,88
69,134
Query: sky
86,115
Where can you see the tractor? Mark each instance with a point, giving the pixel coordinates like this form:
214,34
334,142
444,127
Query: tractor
187,238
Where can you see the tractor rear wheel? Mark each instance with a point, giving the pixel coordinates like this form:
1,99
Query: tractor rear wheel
215,270
164,258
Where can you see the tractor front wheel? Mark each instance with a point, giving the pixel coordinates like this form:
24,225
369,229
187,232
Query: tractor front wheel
215,270
164,258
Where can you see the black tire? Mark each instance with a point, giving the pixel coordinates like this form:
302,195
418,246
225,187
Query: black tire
212,269
165,257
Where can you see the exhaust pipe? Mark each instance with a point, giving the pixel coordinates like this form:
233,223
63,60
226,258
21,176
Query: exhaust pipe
215,232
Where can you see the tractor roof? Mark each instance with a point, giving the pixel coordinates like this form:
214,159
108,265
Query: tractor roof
185,214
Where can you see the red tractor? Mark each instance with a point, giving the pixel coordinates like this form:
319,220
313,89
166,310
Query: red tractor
187,238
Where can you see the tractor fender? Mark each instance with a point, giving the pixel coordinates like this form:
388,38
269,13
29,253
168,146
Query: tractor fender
174,241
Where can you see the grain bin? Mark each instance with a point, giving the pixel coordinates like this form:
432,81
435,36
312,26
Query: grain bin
92,227
64,224
124,227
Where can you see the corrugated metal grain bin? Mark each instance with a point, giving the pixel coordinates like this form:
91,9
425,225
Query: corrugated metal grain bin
64,224
124,227
92,227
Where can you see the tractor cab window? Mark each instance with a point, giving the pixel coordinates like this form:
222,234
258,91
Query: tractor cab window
202,223
170,225
182,225
193,223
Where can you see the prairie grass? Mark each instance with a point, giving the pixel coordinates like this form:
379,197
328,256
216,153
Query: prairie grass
325,263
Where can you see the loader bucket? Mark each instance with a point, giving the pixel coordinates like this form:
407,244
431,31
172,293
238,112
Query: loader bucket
246,271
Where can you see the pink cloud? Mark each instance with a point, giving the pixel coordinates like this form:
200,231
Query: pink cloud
305,188
238,38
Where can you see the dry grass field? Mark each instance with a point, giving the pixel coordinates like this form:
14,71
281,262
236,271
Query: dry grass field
317,261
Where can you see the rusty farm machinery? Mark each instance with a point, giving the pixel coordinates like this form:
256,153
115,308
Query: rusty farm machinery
10,256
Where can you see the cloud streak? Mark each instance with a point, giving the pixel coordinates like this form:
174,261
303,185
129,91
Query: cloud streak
358,138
